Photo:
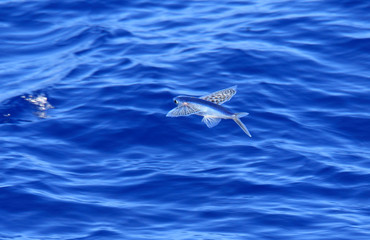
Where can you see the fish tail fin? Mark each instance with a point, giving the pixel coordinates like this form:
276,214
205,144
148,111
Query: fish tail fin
237,117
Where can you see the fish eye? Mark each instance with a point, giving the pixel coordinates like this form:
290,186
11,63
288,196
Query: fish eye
175,101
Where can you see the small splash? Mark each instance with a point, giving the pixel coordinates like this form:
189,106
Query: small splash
41,102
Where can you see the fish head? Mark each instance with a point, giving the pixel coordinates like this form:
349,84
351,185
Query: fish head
179,100
184,107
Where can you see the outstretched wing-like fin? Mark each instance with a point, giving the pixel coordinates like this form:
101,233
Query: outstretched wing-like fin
220,96
182,110
211,122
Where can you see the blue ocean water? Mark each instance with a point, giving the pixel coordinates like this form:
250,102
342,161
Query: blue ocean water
88,153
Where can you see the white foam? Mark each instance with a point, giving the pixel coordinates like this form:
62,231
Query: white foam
41,102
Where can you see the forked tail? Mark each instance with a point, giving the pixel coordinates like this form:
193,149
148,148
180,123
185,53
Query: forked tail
237,117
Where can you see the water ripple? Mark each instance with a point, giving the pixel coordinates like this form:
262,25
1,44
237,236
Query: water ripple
91,154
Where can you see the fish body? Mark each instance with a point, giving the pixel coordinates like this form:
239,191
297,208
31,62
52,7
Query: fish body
205,108
209,107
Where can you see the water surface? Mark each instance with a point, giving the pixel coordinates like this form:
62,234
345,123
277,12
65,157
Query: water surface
87,152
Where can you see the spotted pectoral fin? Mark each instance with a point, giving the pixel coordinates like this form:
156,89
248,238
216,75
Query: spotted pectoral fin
211,122
183,110
221,96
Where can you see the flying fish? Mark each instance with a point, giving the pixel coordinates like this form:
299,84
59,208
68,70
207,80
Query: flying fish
209,106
